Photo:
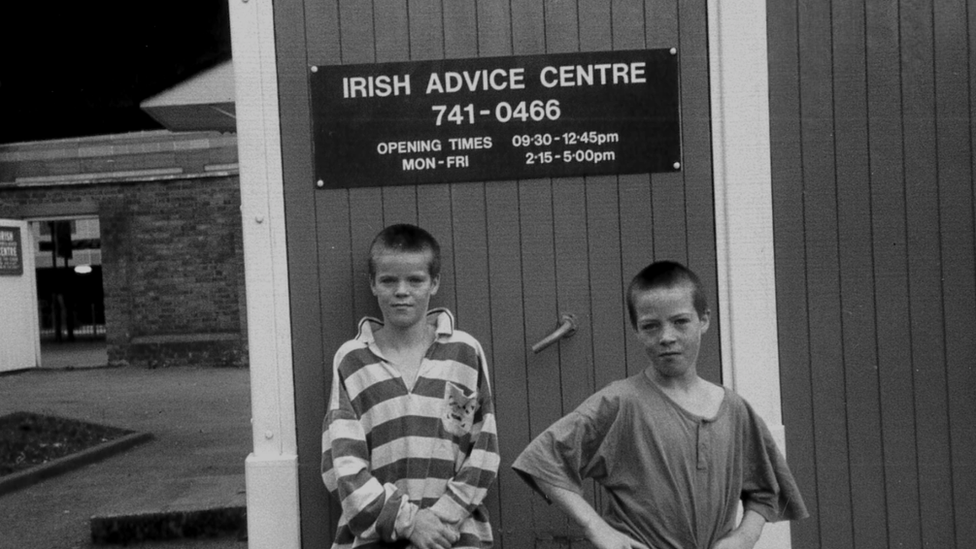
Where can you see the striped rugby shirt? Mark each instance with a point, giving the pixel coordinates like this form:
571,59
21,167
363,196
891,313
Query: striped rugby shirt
388,451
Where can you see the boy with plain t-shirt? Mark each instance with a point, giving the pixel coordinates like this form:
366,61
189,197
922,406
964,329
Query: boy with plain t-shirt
409,441
675,453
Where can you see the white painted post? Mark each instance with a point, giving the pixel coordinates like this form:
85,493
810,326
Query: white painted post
744,215
272,469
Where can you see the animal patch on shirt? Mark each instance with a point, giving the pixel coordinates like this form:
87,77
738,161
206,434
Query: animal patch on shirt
459,410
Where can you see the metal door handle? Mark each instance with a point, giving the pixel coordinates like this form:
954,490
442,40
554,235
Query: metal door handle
567,327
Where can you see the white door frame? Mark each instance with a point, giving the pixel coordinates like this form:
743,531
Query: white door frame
271,471
744,215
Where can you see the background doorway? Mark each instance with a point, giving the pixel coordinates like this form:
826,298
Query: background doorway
70,299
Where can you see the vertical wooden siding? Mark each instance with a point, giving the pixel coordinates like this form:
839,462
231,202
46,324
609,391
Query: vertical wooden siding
516,254
871,116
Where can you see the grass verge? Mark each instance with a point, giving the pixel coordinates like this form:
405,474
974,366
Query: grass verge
28,439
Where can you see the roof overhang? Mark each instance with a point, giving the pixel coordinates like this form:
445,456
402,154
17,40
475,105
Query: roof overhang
203,102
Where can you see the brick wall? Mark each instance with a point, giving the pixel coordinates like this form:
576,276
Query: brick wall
172,260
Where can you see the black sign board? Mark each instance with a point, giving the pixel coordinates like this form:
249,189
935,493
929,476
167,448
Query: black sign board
11,252
496,118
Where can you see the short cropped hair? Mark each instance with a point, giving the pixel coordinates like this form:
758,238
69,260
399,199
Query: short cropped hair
404,237
665,274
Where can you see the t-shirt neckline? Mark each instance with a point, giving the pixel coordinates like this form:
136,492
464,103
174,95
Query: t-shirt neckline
690,415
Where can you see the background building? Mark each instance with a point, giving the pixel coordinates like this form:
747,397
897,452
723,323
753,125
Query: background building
826,190
155,216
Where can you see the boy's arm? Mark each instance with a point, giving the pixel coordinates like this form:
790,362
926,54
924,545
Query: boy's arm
746,535
768,487
572,449
372,510
477,472
597,531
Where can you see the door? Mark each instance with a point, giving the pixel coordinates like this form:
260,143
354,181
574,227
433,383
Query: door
69,284
20,344
516,254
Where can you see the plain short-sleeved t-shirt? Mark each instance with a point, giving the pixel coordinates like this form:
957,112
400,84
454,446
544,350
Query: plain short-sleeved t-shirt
673,479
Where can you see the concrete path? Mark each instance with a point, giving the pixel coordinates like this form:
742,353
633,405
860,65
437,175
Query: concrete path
200,419
74,354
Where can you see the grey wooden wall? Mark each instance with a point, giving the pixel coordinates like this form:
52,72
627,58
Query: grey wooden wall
872,147
516,253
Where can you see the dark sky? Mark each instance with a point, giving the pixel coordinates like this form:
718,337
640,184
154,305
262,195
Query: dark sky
70,68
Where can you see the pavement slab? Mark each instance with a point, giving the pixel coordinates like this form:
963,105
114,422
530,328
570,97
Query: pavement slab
200,422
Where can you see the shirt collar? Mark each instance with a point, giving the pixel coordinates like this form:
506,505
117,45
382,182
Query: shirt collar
441,318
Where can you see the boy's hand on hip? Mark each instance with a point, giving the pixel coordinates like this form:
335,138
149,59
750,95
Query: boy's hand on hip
735,540
603,536
430,533
746,535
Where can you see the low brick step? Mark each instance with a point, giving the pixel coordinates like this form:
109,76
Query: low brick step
168,525
192,508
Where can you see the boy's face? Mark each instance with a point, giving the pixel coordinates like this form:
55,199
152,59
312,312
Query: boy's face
670,329
403,286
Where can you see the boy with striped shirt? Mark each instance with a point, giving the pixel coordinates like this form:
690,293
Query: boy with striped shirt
409,444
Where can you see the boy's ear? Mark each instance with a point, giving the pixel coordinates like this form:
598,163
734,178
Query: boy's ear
435,283
706,318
